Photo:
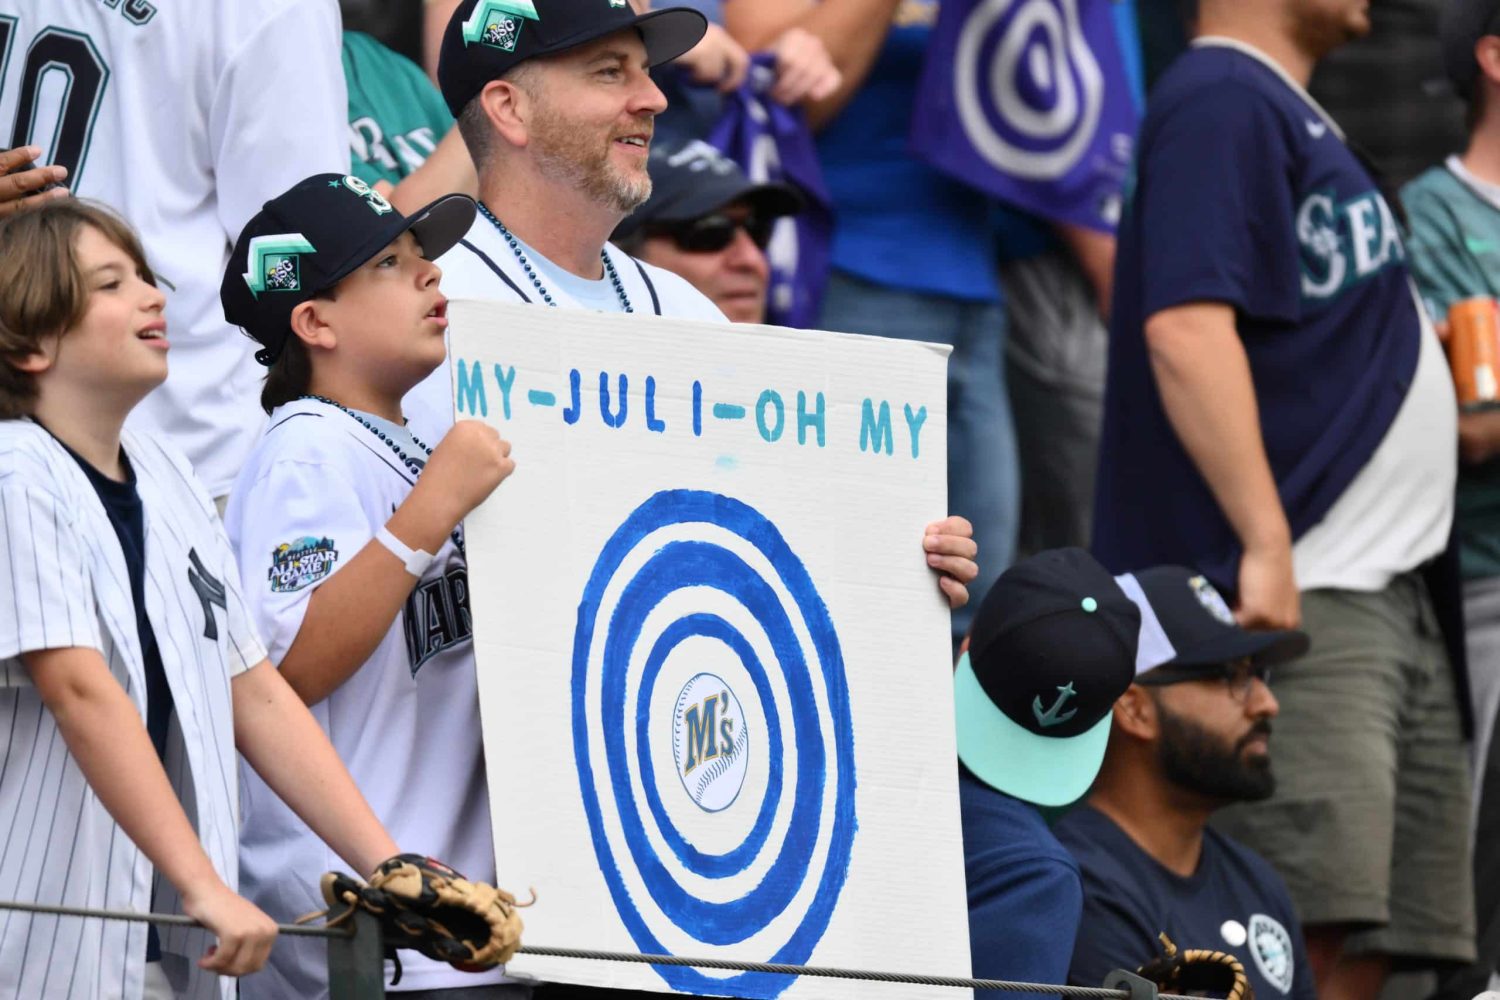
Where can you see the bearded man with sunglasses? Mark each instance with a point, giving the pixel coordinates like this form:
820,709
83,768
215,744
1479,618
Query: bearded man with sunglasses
709,223
1190,736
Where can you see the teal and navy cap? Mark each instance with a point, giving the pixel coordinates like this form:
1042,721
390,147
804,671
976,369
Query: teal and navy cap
486,38
1052,648
309,238
1199,627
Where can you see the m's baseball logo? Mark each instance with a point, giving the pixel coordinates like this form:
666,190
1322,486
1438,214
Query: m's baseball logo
710,742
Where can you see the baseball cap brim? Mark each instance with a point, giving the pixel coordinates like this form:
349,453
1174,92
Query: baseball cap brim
666,33
670,32
438,226
1047,771
768,200
1263,648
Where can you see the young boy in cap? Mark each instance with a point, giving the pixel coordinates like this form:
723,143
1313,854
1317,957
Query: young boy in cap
130,670
346,528
1191,735
1054,643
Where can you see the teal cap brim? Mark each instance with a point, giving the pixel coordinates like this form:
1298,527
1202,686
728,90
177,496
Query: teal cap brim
1047,771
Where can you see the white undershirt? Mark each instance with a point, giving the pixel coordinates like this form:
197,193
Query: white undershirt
1397,512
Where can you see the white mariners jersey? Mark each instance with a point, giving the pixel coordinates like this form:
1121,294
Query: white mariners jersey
483,266
185,116
69,587
314,492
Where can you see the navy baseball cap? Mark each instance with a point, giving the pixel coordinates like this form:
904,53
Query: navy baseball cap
309,238
486,38
1462,24
693,179
1201,627
1052,648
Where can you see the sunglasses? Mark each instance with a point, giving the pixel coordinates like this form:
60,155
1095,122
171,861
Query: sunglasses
713,233
1238,675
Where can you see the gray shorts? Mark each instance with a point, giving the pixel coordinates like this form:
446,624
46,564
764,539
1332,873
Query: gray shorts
1370,822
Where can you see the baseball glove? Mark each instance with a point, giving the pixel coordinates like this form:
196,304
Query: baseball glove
1197,972
424,905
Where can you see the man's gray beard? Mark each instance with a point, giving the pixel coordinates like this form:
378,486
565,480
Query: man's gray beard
562,157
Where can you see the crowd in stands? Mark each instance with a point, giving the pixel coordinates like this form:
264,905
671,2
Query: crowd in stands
1202,421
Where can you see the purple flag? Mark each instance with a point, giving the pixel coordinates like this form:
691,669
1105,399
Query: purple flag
1035,102
772,142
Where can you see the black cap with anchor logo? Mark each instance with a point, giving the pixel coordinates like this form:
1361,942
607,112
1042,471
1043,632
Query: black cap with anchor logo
1052,647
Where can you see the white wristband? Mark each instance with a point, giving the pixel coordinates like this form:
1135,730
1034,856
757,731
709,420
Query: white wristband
415,560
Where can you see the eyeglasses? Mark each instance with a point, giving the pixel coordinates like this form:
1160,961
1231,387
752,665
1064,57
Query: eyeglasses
713,233
1239,675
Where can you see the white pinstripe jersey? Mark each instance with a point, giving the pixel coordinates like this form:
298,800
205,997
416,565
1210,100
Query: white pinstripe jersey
67,586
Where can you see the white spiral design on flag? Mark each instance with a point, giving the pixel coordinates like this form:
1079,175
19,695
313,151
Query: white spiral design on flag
1000,41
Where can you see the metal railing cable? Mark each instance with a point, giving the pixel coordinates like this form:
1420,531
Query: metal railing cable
957,982
725,965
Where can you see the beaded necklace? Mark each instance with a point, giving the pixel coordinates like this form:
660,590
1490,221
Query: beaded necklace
412,464
515,248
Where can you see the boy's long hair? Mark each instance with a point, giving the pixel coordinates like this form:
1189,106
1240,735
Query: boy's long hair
43,291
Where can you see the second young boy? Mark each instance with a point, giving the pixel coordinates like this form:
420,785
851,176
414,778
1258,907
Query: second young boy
347,532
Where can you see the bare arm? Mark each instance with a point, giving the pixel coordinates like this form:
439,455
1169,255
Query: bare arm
105,734
1478,436
852,30
448,170
1204,377
283,742
349,614
434,19
1095,253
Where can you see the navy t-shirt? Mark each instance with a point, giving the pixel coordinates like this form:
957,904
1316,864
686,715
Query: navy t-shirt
122,503
1025,896
1246,195
1234,903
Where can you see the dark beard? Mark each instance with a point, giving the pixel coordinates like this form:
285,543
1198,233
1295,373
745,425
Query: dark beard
1192,758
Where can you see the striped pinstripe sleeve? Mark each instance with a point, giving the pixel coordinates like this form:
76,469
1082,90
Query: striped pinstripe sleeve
44,565
244,638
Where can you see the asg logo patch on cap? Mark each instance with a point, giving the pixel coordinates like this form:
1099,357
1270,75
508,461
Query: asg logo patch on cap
497,23
275,263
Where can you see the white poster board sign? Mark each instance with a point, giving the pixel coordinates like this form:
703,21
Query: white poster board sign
714,668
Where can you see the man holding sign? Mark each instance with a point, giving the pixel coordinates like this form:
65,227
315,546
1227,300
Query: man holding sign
556,105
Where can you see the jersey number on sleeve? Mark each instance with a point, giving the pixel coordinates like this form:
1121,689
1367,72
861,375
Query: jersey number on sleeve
56,59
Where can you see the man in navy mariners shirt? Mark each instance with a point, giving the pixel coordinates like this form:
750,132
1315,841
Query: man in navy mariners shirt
1192,734
1278,414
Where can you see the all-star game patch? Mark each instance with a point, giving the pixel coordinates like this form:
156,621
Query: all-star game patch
503,32
299,564
283,272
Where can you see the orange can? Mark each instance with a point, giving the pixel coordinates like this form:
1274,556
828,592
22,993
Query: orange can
1474,352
